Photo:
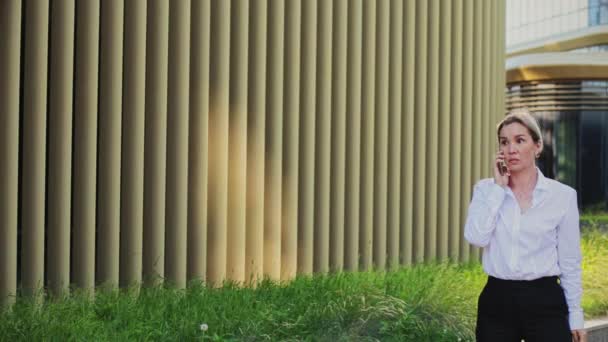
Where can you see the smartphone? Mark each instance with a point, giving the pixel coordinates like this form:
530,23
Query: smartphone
502,167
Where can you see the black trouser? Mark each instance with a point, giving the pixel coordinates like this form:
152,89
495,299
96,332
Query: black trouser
512,310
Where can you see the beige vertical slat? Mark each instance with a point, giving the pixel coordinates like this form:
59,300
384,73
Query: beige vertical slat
366,218
86,77
60,145
338,134
455,111
132,166
381,132
274,141
497,70
198,140
237,162
110,103
353,135
493,74
34,145
432,149
10,35
218,141
155,144
467,106
177,142
420,114
289,222
306,178
394,134
501,55
477,111
445,129
408,134
486,115
323,137
256,123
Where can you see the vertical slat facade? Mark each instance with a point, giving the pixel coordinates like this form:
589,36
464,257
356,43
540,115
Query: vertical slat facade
227,140
177,142
456,113
381,133
445,131
394,131
323,115
306,177
420,155
256,128
466,120
132,164
274,140
10,33
237,166
110,126
219,90
198,161
406,229
338,134
84,191
353,136
366,219
155,145
289,199
432,134
60,145
33,150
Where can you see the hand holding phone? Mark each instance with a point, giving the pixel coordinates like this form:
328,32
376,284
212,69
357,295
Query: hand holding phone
502,167
501,170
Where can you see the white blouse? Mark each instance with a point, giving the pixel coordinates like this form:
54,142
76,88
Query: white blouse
542,241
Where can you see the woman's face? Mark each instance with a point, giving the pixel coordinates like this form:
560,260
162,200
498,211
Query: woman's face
518,147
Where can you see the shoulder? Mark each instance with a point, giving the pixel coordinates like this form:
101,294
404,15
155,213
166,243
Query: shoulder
485,184
558,188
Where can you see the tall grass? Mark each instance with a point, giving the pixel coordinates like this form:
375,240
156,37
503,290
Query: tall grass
594,245
432,302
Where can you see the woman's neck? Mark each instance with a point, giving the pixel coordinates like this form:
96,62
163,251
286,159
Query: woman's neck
525,180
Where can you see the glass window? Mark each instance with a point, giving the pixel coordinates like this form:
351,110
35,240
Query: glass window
598,12
574,119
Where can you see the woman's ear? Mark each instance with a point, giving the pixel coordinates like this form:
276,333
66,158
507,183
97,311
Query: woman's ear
539,149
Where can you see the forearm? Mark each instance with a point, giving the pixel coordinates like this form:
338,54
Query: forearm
481,218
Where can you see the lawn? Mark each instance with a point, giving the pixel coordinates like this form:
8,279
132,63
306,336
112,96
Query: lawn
432,302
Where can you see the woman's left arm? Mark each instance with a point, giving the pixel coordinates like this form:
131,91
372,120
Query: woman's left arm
569,260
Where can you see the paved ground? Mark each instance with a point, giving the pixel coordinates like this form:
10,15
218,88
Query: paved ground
597,329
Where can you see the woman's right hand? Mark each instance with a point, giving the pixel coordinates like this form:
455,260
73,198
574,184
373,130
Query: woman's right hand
500,178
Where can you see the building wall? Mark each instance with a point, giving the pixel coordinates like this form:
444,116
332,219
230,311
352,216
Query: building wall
533,20
176,140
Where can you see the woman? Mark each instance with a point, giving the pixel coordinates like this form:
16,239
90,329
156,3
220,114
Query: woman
528,226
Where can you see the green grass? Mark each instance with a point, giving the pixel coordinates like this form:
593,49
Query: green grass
594,245
435,302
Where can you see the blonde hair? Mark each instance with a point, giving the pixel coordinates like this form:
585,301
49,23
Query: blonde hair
523,117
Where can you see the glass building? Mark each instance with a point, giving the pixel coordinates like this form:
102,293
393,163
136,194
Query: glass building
557,67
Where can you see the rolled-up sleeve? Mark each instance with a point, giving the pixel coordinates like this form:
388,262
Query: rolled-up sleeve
569,260
481,217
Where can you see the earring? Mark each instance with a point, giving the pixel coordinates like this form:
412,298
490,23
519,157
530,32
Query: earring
537,155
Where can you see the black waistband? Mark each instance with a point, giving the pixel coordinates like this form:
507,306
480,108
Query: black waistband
544,281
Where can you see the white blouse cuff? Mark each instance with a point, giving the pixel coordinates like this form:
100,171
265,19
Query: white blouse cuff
577,320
